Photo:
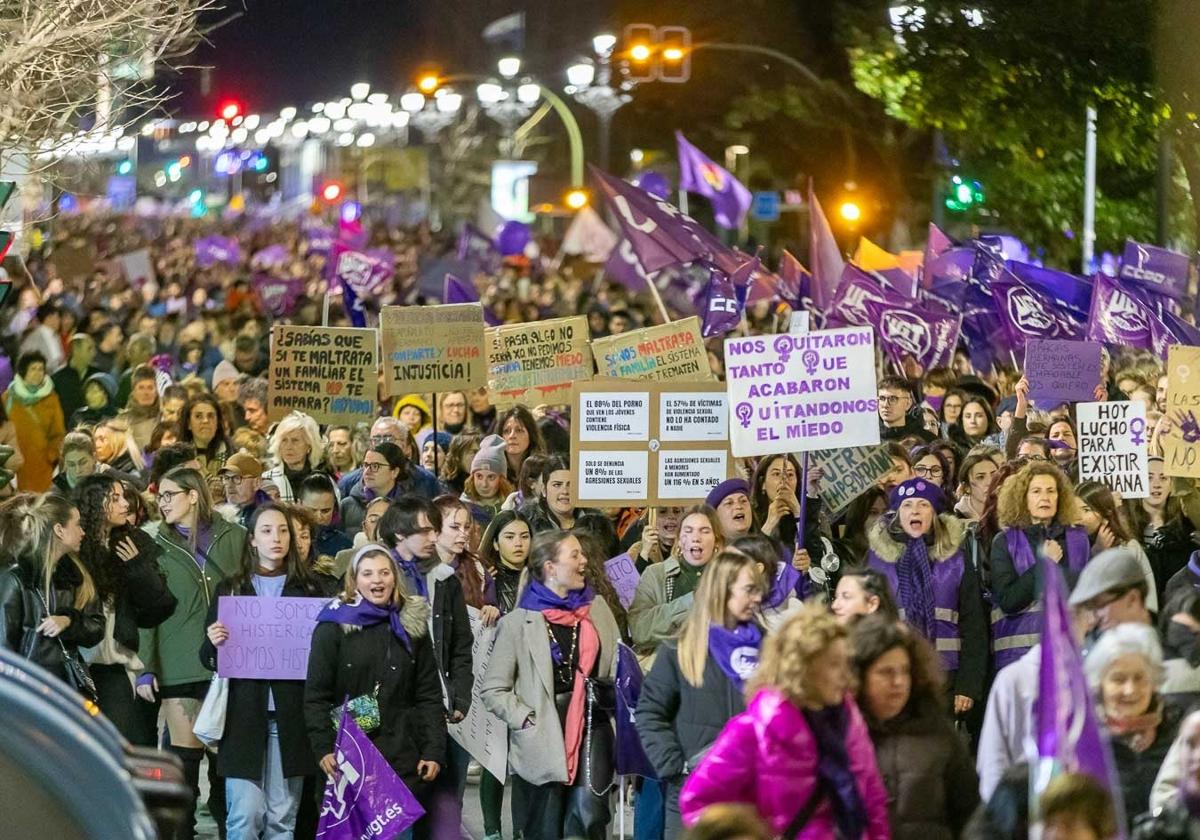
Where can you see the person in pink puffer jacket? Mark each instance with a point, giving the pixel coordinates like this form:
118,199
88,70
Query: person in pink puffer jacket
800,753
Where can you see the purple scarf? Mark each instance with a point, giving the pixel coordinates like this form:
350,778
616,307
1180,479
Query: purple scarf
412,573
916,587
785,583
829,726
1078,548
538,597
736,650
362,613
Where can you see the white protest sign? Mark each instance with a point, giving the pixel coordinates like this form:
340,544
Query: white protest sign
613,474
1113,446
615,417
798,325
797,393
481,733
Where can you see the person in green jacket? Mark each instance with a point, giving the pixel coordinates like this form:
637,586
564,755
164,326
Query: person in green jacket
199,550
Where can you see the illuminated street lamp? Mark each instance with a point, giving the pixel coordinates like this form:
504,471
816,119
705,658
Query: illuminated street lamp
431,115
591,83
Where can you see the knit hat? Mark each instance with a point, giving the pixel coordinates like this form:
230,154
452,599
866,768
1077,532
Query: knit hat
918,488
442,438
223,372
725,489
105,381
491,455
416,402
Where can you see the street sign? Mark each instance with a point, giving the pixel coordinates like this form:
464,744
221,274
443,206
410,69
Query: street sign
765,207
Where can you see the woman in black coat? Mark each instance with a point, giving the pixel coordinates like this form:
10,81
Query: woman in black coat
265,754
695,686
123,561
372,640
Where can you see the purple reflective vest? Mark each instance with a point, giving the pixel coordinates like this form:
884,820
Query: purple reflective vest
947,578
1013,635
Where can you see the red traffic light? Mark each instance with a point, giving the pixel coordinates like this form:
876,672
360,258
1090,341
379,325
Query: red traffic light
230,110
331,191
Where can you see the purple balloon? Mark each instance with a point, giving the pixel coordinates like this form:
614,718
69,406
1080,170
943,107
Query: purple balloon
512,238
654,183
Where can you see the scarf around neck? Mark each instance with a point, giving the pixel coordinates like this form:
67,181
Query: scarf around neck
916,587
25,395
362,613
1137,732
829,726
782,587
736,650
413,574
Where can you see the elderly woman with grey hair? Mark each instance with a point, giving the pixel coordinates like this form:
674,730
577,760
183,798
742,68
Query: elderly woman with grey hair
297,451
1125,671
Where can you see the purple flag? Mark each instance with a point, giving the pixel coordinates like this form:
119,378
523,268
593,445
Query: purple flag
1064,712
455,290
1183,332
1006,247
899,281
365,798
368,273
937,244
272,256
824,255
630,757
278,294
319,240
1025,312
1119,316
906,330
722,309
1072,292
624,267
795,283
699,174
659,234
353,234
849,304
214,249
477,248
1155,269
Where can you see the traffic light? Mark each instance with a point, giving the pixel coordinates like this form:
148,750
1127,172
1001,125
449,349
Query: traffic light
428,83
331,191
641,39
850,211
230,110
657,53
675,54
964,194
125,167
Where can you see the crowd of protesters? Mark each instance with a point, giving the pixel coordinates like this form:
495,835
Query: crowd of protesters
866,672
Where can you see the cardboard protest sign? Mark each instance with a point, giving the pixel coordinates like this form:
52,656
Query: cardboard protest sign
846,473
74,258
646,442
668,351
268,637
433,348
329,373
1061,371
481,733
798,393
1181,446
623,574
544,357
1114,446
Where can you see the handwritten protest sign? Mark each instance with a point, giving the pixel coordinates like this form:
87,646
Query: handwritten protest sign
1114,446
798,393
624,576
648,442
268,637
328,373
1181,446
543,356
1061,371
433,348
481,733
668,351
845,473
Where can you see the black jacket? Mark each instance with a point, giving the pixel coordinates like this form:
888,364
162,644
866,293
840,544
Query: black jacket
913,425
22,612
1012,592
143,599
452,641
1168,550
1137,771
346,662
244,745
930,778
678,722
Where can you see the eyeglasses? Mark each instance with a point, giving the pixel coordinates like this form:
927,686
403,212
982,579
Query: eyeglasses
232,480
375,466
929,472
378,439
1036,458
890,399
165,497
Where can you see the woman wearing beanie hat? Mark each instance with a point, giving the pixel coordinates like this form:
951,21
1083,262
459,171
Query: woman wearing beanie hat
731,500
413,412
918,548
487,486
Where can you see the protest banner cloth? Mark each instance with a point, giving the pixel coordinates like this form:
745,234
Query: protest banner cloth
1061,371
481,733
651,443
269,637
537,362
623,574
665,352
329,373
1155,269
1181,446
278,294
799,393
1114,446
365,798
427,349
846,473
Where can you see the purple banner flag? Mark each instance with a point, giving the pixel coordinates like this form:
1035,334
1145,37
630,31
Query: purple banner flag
1155,269
319,240
699,174
630,756
624,267
937,244
659,233
722,308
367,273
365,797
1025,312
824,255
1072,292
214,249
477,248
849,304
1119,316
906,330
456,290
278,294
1064,712
273,256
795,283
899,281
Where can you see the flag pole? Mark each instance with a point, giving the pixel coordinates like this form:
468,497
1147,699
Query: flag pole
662,307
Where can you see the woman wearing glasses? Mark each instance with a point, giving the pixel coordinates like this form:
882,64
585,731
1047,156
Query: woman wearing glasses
930,464
386,473
199,550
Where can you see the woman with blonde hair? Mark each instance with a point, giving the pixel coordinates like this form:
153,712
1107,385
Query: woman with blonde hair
116,447
696,684
297,450
800,753
1036,511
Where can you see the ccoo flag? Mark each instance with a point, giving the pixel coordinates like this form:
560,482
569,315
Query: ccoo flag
365,798
697,173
